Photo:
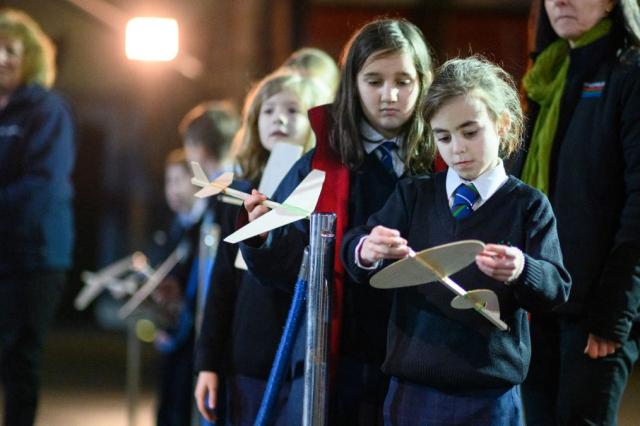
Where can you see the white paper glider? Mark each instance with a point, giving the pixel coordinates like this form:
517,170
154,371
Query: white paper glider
437,264
121,278
299,205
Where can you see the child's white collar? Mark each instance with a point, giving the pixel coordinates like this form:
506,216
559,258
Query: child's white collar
372,138
487,183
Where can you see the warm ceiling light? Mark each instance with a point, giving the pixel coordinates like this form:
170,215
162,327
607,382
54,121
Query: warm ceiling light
152,39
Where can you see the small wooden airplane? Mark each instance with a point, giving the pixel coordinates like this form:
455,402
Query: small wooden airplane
155,278
299,205
437,264
121,278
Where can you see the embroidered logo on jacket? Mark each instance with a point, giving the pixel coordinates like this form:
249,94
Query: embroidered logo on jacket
592,90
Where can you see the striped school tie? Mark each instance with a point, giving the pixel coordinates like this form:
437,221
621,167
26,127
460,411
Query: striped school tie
465,198
384,154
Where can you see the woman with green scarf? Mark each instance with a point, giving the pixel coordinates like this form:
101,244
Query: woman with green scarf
583,151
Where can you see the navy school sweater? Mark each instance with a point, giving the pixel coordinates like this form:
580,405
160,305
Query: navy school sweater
431,343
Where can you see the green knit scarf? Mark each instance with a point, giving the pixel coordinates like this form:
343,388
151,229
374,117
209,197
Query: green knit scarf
544,84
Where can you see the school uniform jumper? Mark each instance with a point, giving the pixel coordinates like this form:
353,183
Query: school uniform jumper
594,189
455,351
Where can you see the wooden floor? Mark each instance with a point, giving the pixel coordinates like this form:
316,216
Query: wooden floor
85,382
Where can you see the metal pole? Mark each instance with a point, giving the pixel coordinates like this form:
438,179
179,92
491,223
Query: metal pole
316,364
133,370
207,250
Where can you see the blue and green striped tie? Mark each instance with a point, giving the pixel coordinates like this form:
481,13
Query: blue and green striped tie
385,149
465,197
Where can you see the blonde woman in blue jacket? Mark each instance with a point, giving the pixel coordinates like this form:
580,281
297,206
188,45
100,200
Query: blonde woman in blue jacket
37,154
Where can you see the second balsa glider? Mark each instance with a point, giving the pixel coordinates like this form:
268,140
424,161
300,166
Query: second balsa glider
437,264
299,205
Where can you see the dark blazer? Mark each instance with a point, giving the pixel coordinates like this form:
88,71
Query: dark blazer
595,185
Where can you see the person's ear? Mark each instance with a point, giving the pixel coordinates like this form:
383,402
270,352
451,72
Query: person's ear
504,123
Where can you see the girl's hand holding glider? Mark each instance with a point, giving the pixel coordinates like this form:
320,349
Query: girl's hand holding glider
501,262
254,205
255,208
383,243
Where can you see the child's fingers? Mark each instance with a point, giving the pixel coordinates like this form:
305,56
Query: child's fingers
383,243
387,251
499,251
254,200
205,396
386,237
500,269
496,263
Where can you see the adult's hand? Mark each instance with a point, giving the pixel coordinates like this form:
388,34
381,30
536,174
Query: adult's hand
597,347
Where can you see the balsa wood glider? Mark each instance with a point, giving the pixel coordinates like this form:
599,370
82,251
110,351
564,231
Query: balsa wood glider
437,264
299,205
121,278
154,280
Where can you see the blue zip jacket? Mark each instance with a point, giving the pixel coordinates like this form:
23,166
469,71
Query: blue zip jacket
37,154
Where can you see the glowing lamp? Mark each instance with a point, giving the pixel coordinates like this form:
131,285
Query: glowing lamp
152,39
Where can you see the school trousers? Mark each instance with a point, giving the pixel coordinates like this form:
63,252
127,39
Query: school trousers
564,385
176,386
357,396
29,301
245,395
410,404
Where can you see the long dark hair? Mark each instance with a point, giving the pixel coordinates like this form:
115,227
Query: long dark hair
385,36
625,16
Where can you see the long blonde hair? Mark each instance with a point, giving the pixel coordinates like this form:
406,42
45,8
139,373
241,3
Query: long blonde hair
250,155
39,54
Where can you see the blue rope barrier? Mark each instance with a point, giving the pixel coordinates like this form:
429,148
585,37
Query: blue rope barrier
283,356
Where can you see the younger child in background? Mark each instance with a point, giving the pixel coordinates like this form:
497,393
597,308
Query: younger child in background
315,63
207,131
452,366
243,320
175,296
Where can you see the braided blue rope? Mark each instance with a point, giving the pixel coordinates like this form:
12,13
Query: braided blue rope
283,356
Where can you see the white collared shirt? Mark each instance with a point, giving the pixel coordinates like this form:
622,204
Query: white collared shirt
487,183
372,139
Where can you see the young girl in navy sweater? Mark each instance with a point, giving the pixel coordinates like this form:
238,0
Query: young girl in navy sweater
452,366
